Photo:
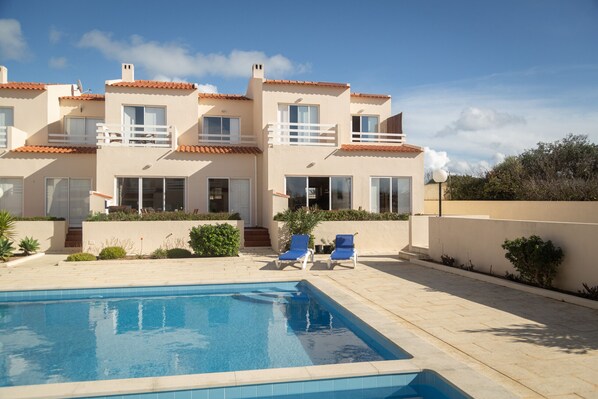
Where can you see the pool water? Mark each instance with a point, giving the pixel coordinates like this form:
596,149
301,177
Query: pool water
100,334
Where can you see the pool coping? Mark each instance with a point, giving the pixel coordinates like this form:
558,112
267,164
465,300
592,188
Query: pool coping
425,357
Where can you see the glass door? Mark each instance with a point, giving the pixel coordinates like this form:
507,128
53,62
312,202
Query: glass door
68,198
78,201
239,199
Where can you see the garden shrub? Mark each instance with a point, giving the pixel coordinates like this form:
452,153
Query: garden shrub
159,253
536,260
80,257
38,218
178,253
112,253
215,240
6,249
300,221
29,245
589,292
7,225
159,216
346,215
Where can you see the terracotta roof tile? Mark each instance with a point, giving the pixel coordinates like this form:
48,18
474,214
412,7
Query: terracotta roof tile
221,96
154,84
85,97
368,95
23,86
381,148
306,83
46,149
218,149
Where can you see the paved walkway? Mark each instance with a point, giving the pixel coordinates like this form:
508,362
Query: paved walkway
534,346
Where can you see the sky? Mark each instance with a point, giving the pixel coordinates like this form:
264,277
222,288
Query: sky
476,80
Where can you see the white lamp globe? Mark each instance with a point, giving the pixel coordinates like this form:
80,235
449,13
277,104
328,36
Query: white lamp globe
440,175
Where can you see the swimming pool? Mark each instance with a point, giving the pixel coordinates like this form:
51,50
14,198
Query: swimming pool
102,334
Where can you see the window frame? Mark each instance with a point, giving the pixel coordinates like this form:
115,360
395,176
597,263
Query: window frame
228,179
117,198
85,118
360,116
329,188
144,106
410,178
222,135
22,179
13,114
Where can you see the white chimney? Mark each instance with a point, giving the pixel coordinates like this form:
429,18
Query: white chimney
128,74
257,71
3,74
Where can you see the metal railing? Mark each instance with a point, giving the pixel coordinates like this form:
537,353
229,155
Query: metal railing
243,139
71,139
376,137
302,134
3,136
136,135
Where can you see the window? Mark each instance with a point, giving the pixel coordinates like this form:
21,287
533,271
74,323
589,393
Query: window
140,115
6,116
218,195
364,124
297,116
159,194
68,198
219,128
230,195
391,194
11,195
322,192
82,126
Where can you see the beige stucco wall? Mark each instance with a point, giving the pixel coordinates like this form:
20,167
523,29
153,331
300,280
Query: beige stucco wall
181,108
419,231
557,211
81,109
480,240
373,237
35,168
50,235
144,237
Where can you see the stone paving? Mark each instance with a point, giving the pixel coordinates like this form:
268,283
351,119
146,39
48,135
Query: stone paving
533,346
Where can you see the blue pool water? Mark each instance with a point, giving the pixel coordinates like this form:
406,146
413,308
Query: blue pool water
99,334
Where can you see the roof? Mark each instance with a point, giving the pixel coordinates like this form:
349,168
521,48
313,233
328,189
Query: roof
218,149
46,149
305,83
381,148
221,96
85,97
368,95
23,86
155,84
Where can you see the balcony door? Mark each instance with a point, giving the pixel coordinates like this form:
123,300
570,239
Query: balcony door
68,198
299,118
230,195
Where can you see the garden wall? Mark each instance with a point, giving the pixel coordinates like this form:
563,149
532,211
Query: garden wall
382,237
50,234
144,237
480,240
554,211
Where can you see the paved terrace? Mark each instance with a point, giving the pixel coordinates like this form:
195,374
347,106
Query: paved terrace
533,346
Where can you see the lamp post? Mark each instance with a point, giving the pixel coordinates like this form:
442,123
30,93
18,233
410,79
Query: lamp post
440,176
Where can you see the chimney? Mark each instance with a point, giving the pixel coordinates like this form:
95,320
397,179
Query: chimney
257,71
128,74
3,74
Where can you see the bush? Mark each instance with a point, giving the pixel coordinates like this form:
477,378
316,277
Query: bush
345,215
112,253
300,221
7,225
80,257
29,245
178,253
536,261
589,292
6,249
215,240
159,216
38,219
159,253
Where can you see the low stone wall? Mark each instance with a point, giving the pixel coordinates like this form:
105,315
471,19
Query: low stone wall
374,237
51,235
479,241
144,237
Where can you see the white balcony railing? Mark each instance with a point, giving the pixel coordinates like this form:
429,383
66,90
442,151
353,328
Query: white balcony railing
226,139
375,137
71,139
3,136
136,135
303,134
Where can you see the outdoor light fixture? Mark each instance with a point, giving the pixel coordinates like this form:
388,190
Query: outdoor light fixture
439,176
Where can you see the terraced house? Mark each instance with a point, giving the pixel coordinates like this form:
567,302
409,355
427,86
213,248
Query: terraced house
164,146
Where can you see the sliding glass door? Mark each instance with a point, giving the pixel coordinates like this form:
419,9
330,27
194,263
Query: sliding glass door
68,198
230,195
322,192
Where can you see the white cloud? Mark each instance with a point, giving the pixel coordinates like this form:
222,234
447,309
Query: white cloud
473,119
55,35
13,45
207,88
435,159
174,59
57,62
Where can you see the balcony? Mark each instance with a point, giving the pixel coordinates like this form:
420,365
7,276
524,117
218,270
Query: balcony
71,139
160,136
227,139
303,134
377,138
3,136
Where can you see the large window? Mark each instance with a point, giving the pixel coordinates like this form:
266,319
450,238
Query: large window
391,194
322,192
299,117
11,195
82,126
364,124
68,198
6,116
230,195
140,115
222,129
158,194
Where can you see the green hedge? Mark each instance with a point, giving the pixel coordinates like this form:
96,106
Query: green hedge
159,216
352,215
80,257
215,240
38,219
112,253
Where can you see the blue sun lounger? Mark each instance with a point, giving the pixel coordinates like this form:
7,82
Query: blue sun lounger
298,251
344,250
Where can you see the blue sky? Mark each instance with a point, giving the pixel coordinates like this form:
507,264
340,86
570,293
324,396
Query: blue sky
476,80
